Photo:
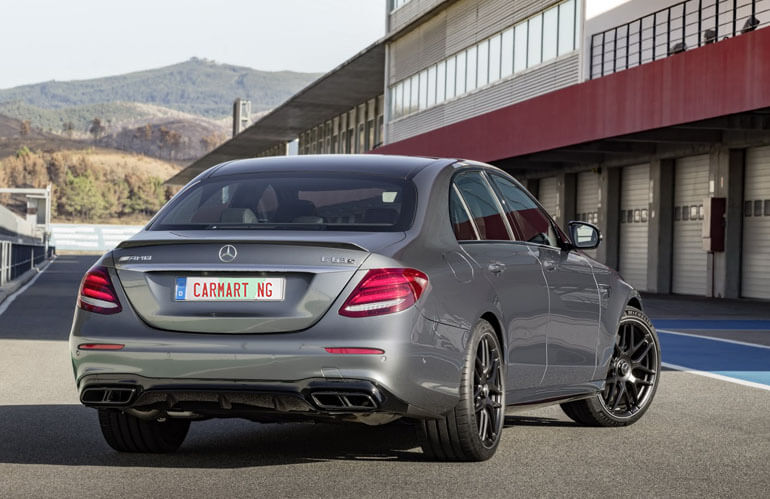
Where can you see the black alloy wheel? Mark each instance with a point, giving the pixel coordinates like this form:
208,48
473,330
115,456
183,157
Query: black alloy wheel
632,377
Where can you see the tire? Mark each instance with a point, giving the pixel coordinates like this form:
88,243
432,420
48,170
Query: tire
126,433
457,435
632,377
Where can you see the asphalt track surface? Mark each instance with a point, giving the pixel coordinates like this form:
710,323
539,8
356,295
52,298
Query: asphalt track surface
702,437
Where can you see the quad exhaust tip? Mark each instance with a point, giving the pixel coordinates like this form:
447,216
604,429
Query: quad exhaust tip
343,401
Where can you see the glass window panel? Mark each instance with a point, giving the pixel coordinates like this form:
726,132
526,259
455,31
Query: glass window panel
470,73
530,222
460,87
566,27
461,223
520,48
423,89
450,78
415,100
482,73
395,100
506,55
535,49
494,58
440,82
406,102
550,30
431,86
482,206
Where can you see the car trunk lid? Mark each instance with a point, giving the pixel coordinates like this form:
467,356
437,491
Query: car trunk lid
312,269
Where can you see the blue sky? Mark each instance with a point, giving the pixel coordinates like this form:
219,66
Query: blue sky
77,39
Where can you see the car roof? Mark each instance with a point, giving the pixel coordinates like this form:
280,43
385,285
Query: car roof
377,164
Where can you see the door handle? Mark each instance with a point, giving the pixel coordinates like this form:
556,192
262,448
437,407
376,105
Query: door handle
549,265
496,268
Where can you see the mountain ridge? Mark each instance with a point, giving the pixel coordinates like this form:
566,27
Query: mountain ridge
196,86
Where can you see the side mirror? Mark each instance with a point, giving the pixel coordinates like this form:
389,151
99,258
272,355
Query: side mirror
584,235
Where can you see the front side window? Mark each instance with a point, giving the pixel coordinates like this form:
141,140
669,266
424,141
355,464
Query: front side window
483,207
529,220
292,201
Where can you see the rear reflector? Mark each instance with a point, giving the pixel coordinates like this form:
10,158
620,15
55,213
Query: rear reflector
384,291
100,346
355,351
97,293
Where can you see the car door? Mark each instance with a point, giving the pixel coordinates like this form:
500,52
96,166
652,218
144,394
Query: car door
573,332
514,272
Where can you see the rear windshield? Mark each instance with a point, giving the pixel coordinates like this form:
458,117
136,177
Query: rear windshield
292,201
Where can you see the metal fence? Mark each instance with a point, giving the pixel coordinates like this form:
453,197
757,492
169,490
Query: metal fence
16,259
680,27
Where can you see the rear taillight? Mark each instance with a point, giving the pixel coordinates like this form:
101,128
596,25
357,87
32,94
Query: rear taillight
384,291
97,293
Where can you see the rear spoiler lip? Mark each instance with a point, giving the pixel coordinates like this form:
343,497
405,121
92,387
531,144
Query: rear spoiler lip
138,243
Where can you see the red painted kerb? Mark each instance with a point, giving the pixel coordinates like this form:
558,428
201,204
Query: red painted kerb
726,77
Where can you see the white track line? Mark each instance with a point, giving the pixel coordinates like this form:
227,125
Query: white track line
716,376
7,302
712,338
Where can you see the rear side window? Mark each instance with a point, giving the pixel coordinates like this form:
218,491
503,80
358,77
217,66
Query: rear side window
461,224
482,206
299,201
531,222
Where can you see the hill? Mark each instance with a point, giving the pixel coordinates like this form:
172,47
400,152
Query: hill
91,186
196,86
114,116
14,135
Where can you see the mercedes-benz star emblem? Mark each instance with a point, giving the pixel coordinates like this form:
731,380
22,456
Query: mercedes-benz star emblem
227,253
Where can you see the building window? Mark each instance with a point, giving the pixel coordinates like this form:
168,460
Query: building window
482,75
567,27
423,82
460,71
550,33
506,56
441,81
432,86
450,78
520,48
397,4
494,58
536,40
470,69
535,44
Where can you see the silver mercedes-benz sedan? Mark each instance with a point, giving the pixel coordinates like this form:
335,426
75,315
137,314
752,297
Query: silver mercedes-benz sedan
362,289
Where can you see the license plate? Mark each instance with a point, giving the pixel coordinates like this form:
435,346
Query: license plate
230,288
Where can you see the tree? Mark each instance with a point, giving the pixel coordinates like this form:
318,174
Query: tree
96,129
68,129
25,128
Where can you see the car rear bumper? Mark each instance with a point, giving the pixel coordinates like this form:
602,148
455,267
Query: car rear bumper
420,366
303,399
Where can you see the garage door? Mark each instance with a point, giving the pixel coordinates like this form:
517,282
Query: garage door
689,258
755,282
548,195
588,201
634,205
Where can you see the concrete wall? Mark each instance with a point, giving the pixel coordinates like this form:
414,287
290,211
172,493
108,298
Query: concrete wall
96,238
13,226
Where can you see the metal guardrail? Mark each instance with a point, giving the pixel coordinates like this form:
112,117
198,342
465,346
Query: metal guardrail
680,27
16,259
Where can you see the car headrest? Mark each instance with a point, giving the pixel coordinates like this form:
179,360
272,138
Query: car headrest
380,216
238,216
